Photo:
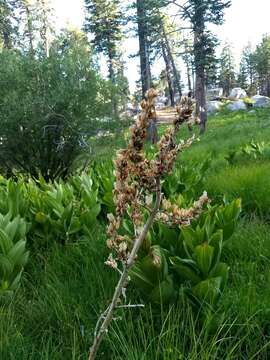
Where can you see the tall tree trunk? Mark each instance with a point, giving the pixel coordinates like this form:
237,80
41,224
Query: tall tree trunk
170,55
7,39
144,50
200,95
45,28
29,27
200,82
268,85
168,73
193,80
145,63
113,81
189,78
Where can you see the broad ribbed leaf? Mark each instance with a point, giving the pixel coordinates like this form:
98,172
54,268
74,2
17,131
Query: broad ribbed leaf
154,265
208,290
12,228
217,242
5,242
186,269
189,237
6,266
222,271
203,255
140,279
16,254
15,283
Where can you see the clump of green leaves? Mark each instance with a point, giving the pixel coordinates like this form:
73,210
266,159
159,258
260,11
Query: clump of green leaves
64,211
187,180
104,177
203,242
189,258
13,254
254,149
58,212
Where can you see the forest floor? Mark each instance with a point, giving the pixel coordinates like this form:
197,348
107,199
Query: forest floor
53,314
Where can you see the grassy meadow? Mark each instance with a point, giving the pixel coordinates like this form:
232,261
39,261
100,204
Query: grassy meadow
65,287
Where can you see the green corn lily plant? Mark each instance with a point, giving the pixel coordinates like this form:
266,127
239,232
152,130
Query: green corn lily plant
190,258
104,177
13,254
187,180
151,275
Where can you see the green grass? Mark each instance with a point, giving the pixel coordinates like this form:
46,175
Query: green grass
250,182
230,130
247,177
56,307
53,314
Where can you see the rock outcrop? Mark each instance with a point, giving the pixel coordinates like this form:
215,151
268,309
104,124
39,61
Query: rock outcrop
238,93
261,101
237,105
213,106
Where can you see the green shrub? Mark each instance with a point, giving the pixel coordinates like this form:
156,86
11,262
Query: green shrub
49,108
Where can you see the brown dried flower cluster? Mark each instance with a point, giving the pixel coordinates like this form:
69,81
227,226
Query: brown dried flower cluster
137,189
173,215
192,119
138,177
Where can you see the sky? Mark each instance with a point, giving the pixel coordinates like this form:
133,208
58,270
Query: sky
245,20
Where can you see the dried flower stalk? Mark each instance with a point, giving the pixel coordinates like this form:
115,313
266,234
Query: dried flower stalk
138,189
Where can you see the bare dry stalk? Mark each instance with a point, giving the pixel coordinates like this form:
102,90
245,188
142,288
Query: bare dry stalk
137,188
124,278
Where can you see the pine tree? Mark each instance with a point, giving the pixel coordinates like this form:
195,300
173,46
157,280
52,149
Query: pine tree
152,39
227,70
168,73
153,31
247,72
211,68
242,78
144,51
45,13
29,32
165,41
200,13
28,17
189,63
8,27
104,19
162,45
122,84
262,65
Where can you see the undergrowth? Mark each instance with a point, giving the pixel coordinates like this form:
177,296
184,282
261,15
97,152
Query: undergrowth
53,313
